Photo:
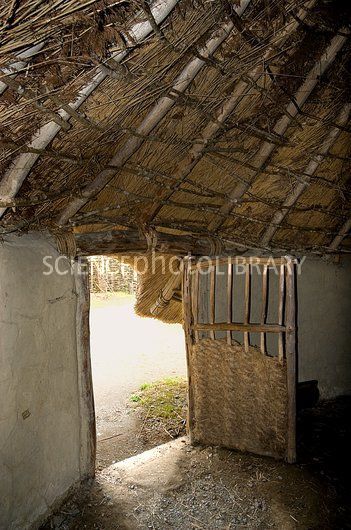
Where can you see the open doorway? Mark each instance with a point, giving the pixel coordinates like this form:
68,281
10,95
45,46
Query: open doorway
138,367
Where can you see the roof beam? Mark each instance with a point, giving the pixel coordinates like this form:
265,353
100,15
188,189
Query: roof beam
130,241
283,123
23,58
23,163
124,241
343,232
153,118
200,147
309,171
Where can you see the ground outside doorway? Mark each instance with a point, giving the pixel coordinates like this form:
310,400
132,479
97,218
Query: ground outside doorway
125,358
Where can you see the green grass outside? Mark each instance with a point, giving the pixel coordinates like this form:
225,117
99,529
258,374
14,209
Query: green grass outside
163,401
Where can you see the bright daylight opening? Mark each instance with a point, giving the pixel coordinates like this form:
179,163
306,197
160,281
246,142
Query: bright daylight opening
138,368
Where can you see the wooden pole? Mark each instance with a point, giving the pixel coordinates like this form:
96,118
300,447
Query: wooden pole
343,232
290,348
212,300
187,325
281,311
247,305
229,299
195,301
130,241
85,385
264,306
166,294
237,326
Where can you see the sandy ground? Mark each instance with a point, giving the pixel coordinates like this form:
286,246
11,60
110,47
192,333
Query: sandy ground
127,351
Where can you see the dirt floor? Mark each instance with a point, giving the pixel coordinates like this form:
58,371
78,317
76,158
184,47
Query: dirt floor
177,486
181,487
124,356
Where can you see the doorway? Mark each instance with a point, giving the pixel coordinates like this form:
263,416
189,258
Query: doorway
138,367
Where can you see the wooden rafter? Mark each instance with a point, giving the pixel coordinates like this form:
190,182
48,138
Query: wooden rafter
152,119
310,169
298,100
22,60
343,232
23,163
215,124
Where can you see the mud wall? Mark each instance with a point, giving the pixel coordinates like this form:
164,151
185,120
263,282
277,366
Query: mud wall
44,426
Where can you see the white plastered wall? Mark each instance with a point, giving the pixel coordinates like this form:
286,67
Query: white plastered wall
46,423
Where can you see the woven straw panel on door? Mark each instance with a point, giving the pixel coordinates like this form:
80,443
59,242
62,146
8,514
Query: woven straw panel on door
240,399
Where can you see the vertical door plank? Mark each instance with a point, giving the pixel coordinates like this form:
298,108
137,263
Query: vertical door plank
290,352
229,298
195,300
281,311
212,298
264,306
247,305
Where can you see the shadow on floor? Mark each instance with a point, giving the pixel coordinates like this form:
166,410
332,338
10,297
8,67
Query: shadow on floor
324,442
180,487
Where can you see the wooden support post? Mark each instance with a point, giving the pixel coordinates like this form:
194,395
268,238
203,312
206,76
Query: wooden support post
290,352
264,306
229,298
247,304
85,385
187,325
212,299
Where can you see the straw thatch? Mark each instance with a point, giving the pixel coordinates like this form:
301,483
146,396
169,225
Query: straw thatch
224,119
153,275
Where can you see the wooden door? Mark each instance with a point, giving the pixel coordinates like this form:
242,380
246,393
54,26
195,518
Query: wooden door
242,369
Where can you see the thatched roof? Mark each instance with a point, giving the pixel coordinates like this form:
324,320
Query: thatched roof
221,119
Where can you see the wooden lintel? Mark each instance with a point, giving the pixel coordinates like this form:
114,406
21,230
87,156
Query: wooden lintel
130,241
